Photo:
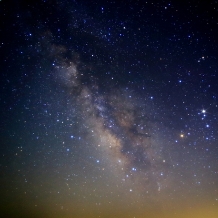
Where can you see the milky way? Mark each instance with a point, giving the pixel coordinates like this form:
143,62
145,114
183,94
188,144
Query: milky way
122,124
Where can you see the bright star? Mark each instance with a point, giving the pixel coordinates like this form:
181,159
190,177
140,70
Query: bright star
203,111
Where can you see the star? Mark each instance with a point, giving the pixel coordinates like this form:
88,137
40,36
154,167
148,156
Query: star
203,111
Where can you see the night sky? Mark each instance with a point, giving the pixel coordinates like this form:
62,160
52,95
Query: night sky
109,109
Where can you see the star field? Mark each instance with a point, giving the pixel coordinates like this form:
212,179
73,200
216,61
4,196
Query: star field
109,109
